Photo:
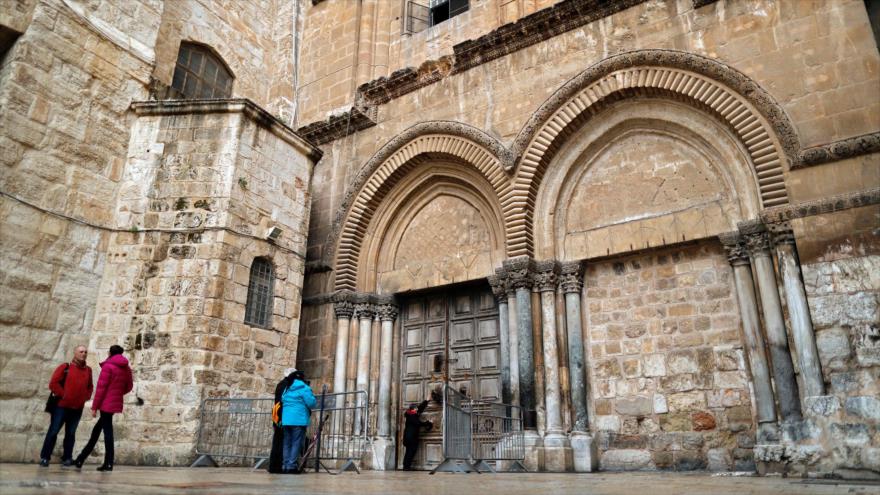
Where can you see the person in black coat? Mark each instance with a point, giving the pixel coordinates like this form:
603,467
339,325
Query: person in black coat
412,430
276,455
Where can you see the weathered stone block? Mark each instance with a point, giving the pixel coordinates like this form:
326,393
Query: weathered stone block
625,460
635,406
867,408
823,405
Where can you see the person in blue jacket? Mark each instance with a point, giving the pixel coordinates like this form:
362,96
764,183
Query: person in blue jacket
297,403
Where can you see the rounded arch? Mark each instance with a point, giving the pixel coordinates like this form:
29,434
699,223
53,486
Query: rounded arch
457,189
429,140
759,123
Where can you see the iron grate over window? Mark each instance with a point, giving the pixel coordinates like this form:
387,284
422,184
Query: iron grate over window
200,74
260,299
423,14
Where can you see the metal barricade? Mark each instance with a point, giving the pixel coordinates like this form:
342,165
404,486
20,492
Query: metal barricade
342,420
478,431
235,428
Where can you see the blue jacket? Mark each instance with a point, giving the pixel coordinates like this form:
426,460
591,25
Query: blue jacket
297,402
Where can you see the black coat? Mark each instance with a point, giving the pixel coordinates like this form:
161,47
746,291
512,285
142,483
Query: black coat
276,455
414,424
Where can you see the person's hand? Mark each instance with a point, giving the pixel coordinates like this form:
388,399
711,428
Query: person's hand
94,413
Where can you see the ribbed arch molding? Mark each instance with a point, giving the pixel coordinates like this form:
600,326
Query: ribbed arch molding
750,126
389,171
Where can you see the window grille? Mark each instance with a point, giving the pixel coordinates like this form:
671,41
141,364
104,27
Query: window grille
260,299
422,14
200,74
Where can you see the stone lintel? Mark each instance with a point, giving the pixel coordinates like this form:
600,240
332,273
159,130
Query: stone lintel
231,105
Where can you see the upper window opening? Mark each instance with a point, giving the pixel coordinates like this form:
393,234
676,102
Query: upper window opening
426,13
260,297
200,74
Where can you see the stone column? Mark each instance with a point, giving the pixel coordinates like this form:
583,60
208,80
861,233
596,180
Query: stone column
383,446
556,448
798,310
498,290
513,340
584,450
364,312
344,308
758,243
738,256
520,270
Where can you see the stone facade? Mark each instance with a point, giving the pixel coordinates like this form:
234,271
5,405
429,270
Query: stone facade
585,157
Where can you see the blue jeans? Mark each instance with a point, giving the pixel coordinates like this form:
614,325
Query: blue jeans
69,418
293,442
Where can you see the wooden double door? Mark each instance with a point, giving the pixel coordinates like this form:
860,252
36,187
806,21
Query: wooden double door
448,336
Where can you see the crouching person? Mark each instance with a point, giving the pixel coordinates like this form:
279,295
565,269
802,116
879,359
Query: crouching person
297,403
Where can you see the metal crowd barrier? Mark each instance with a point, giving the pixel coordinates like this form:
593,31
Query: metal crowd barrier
477,431
235,428
242,429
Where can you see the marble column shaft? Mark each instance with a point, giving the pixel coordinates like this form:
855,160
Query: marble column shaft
387,314
738,257
545,281
364,312
343,309
520,270
498,290
571,283
783,370
513,341
798,310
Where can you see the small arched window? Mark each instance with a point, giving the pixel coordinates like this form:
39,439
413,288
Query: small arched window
200,74
260,297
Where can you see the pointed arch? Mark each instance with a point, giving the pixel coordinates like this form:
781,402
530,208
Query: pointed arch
763,129
451,141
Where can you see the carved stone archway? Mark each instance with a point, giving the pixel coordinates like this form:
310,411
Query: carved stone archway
762,128
450,141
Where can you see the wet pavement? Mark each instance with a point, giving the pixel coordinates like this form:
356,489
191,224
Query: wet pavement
131,480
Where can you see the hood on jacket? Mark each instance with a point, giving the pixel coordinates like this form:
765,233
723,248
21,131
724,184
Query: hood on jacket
117,360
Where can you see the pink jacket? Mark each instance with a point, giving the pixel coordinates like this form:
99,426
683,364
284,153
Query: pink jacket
114,382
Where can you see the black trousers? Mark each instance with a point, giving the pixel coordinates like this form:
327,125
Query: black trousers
410,455
105,424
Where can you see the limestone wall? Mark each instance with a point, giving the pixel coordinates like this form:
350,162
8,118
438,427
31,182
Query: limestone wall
65,90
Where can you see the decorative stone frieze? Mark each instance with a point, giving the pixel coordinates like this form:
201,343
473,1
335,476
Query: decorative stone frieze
339,126
839,150
830,204
571,277
519,271
735,246
545,276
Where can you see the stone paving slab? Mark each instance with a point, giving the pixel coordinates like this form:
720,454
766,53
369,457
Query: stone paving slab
131,480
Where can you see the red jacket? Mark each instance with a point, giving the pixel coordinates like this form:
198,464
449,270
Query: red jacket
77,387
114,382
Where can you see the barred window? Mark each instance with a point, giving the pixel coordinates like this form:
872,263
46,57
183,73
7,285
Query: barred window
200,74
423,14
260,298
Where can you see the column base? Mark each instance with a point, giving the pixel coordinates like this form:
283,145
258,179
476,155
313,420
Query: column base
557,453
585,454
382,458
534,459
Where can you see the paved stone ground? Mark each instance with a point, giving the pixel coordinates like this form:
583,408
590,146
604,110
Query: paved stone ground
29,478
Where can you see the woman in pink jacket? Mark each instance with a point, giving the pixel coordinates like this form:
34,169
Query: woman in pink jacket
114,382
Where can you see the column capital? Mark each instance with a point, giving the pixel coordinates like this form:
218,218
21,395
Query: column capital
386,312
363,306
545,276
781,233
571,276
498,284
519,271
755,234
343,306
735,245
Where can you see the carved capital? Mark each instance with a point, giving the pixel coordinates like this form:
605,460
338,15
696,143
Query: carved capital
545,276
498,287
755,234
781,233
364,310
519,271
734,244
571,276
386,312
342,304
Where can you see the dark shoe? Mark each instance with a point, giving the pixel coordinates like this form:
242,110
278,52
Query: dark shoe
44,462
104,467
78,463
67,463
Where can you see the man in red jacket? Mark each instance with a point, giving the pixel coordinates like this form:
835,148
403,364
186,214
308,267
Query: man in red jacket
72,382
